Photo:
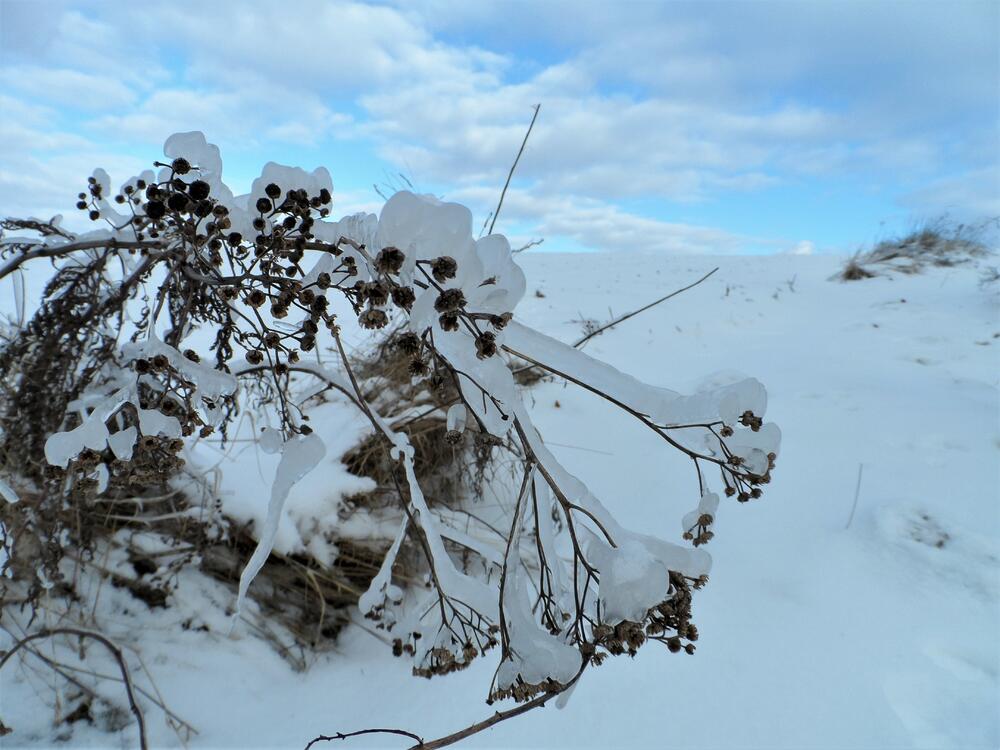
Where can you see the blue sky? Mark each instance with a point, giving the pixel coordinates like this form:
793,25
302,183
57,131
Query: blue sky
677,127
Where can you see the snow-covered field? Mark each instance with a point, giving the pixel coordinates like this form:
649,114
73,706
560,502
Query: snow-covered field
813,635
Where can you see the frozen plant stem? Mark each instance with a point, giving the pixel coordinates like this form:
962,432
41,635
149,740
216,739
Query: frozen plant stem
513,167
857,493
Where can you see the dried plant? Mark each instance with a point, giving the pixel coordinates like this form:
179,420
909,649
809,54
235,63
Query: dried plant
101,392
939,243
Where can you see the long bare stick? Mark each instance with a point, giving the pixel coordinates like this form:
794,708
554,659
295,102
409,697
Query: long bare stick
479,726
115,651
632,314
348,735
857,492
514,166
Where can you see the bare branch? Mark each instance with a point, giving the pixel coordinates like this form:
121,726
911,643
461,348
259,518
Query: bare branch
623,318
513,166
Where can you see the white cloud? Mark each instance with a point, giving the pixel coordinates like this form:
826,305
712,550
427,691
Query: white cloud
599,225
69,88
805,247
672,102
973,195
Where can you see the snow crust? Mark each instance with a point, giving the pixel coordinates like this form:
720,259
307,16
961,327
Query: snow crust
804,623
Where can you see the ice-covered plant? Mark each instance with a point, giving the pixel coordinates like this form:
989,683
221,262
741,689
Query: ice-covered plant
102,391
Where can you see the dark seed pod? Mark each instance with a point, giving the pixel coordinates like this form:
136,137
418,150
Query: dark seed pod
177,202
403,296
444,268
199,190
155,210
449,300
389,260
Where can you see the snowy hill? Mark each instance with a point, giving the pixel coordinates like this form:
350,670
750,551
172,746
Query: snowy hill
813,635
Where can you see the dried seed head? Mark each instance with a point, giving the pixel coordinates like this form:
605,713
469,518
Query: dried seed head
199,190
373,318
486,345
403,296
389,260
500,321
448,322
377,293
444,268
180,165
417,368
177,202
408,343
449,300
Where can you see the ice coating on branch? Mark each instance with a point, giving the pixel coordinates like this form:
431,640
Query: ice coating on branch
490,374
632,579
270,440
690,562
122,443
62,447
708,506
359,228
7,492
456,417
535,655
663,406
502,283
425,228
299,456
290,178
210,382
378,590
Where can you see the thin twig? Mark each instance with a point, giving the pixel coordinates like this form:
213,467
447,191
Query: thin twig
513,167
348,735
479,726
625,317
857,493
528,245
